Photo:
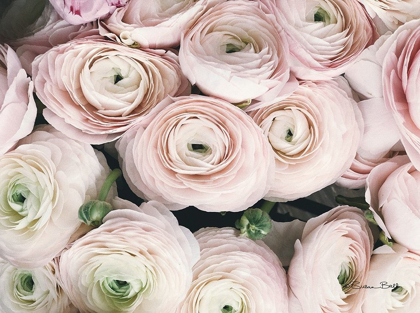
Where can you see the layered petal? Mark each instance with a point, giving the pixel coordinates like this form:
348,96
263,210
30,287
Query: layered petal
43,183
236,60
198,151
330,260
17,104
95,90
139,260
314,134
235,274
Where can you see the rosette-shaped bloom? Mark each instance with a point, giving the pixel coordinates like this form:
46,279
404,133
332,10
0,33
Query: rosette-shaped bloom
325,36
233,60
400,76
35,290
332,256
391,191
78,12
314,134
17,105
198,151
95,90
140,260
32,27
235,274
43,182
395,275
393,13
154,23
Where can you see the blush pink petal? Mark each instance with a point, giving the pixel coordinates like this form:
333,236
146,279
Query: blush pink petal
234,171
17,105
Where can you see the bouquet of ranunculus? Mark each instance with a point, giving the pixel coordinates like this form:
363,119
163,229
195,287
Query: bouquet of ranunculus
210,156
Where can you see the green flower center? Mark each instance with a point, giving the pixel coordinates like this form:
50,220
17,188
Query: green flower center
346,276
289,135
227,309
115,287
118,76
17,195
231,48
25,285
198,147
322,16
398,289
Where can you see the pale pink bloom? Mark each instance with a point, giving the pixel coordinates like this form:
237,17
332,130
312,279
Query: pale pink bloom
17,104
78,12
314,134
233,60
94,90
392,13
35,290
401,79
236,274
396,274
392,192
333,255
140,260
325,36
43,183
198,151
154,23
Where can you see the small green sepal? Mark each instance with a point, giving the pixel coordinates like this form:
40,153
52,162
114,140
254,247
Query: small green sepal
254,224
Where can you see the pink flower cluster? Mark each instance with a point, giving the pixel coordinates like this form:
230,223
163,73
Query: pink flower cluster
216,106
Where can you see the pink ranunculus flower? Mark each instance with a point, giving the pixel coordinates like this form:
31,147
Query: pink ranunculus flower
94,90
46,29
325,36
17,105
314,134
391,191
198,151
396,274
235,274
332,256
154,23
32,290
233,60
392,13
400,77
43,183
139,261
78,12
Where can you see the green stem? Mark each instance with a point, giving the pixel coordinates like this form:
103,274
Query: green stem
112,177
267,206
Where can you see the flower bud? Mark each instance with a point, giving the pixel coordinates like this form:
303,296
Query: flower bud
93,212
254,224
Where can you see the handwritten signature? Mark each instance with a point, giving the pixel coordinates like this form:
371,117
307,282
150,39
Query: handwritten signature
382,285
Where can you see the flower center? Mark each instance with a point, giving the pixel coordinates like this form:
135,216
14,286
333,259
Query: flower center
227,309
118,76
17,196
398,290
25,285
346,275
198,147
289,135
322,16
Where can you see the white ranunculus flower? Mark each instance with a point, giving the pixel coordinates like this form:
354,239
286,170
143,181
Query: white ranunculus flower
32,290
139,261
43,183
